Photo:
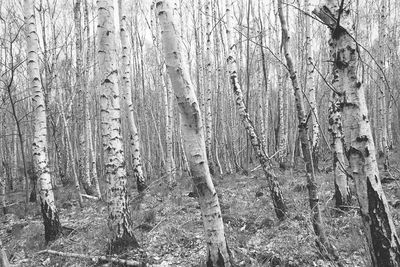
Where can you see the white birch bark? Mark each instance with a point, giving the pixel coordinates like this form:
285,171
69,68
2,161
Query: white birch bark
119,220
127,95
282,135
208,92
83,160
193,137
90,145
380,232
342,190
310,85
383,110
3,189
51,221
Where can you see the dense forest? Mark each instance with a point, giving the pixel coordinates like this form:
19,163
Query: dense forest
199,133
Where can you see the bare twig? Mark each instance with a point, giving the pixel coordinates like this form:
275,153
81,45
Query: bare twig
91,258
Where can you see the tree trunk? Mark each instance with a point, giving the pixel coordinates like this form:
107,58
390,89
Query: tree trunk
276,193
119,219
90,145
342,190
311,87
51,221
323,243
380,232
208,91
3,189
84,172
193,137
127,95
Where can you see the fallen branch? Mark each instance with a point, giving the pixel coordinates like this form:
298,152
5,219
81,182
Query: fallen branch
256,168
92,258
90,197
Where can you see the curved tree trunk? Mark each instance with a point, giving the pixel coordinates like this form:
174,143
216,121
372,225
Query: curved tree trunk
51,221
380,232
193,137
127,95
276,193
119,220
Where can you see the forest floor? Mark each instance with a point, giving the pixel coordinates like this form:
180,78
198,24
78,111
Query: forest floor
169,230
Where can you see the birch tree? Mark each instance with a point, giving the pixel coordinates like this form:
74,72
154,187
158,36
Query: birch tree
193,136
324,245
310,85
342,190
51,221
84,172
380,232
274,187
127,96
119,219
208,82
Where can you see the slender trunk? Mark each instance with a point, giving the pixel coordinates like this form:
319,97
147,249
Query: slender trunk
170,131
311,87
84,173
119,219
90,145
127,95
282,134
324,245
193,138
208,93
3,189
51,221
342,190
380,232
276,193
72,157
265,73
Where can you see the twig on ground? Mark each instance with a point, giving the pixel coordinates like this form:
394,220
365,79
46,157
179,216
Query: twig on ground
256,168
91,258
90,197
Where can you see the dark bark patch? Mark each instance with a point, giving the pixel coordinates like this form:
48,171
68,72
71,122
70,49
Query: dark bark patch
384,254
121,244
362,138
220,261
367,152
52,226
